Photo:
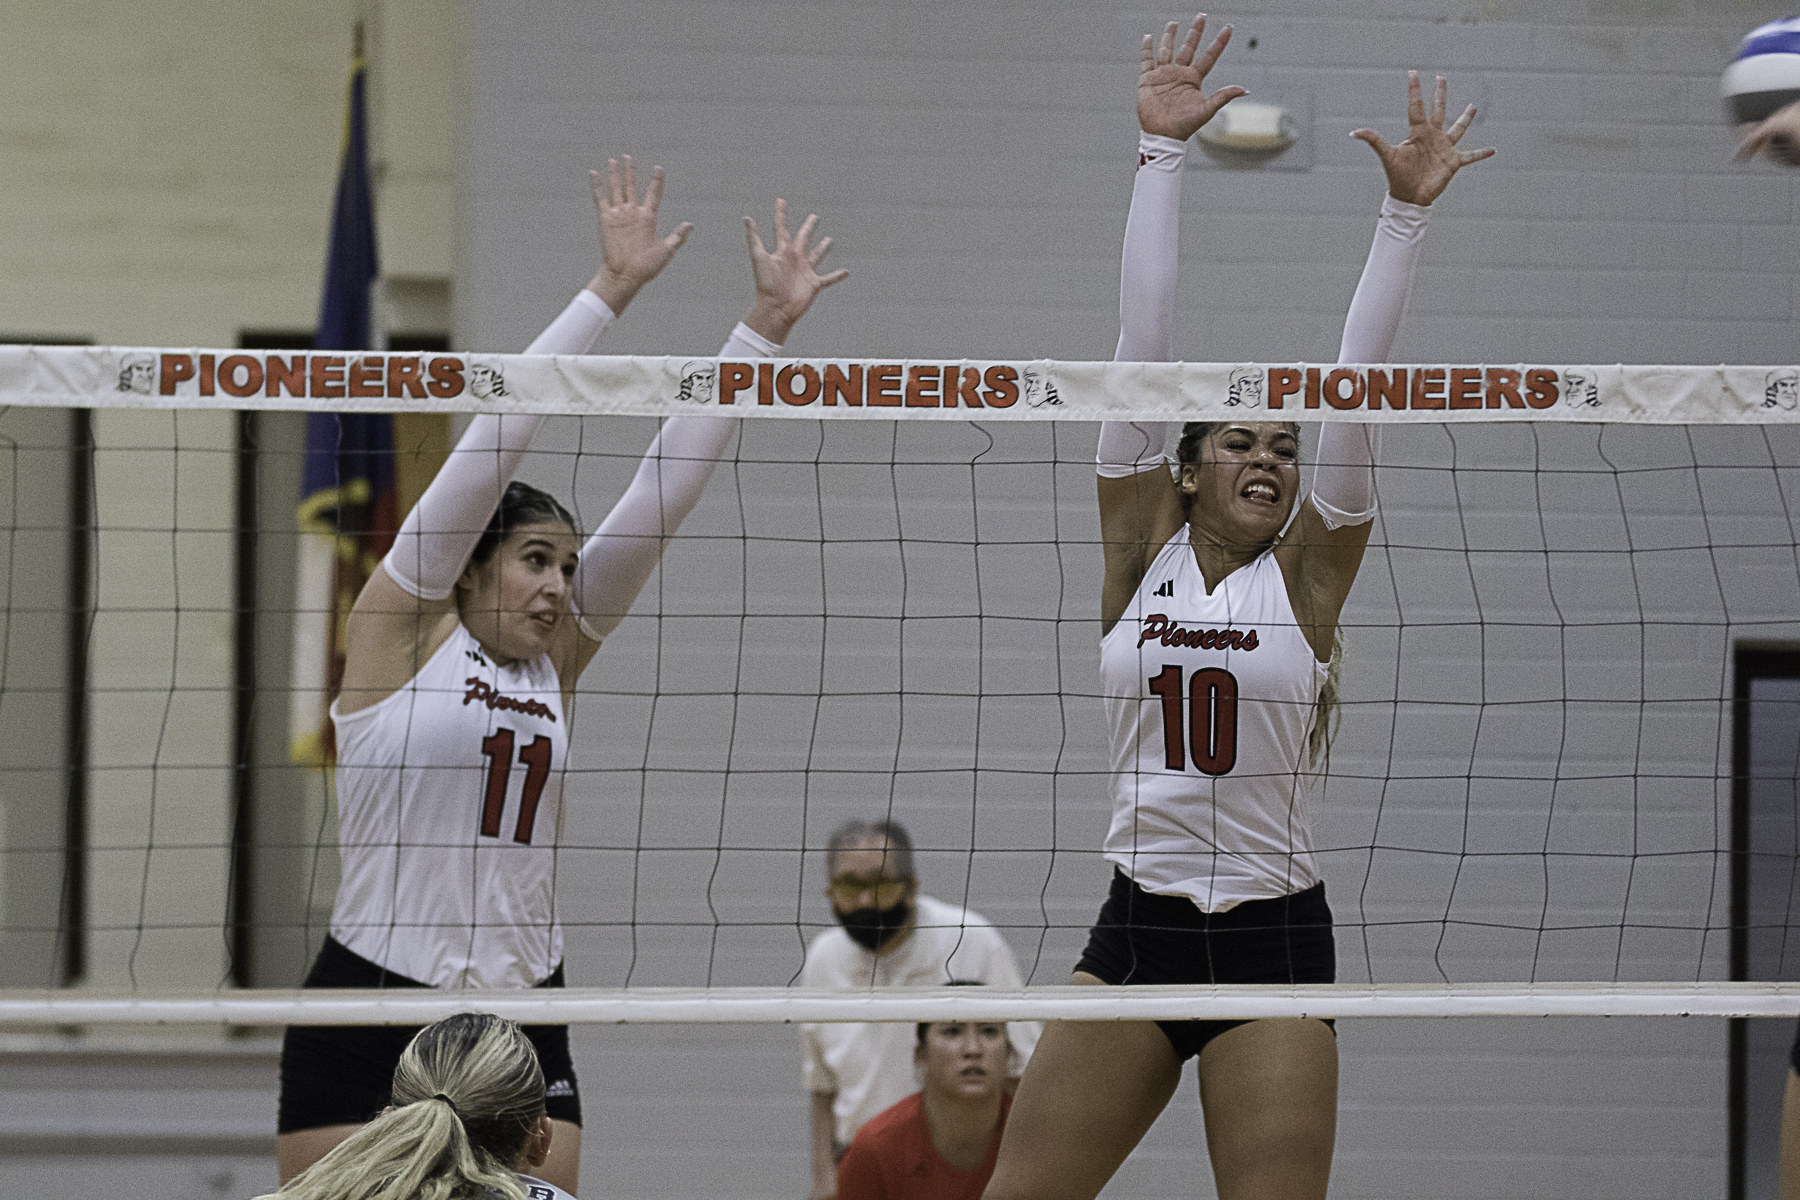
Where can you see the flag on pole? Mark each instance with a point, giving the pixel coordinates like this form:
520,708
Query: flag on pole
347,503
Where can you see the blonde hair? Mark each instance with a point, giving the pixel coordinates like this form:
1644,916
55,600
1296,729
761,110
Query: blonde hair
1325,710
467,1094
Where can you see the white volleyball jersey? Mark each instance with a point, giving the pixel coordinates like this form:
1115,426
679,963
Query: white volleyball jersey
449,807
1210,700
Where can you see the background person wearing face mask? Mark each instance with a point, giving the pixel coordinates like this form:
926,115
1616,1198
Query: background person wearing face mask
888,936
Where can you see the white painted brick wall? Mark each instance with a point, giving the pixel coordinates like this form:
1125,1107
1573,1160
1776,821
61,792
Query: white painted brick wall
973,162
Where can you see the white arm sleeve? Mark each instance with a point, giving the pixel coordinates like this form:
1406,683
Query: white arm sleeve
1344,479
617,560
1146,297
439,534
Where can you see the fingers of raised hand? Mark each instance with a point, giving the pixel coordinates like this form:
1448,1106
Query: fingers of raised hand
837,276
653,195
1147,61
631,192
1439,99
817,254
1475,156
1211,57
754,238
1374,141
1185,56
781,229
1461,125
805,231
1220,99
1165,47
1415,100
675,240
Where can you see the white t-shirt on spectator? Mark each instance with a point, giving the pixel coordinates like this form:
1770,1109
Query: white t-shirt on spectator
870,1066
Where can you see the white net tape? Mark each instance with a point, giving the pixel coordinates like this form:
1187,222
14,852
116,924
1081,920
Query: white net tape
147,377
788,1005
1617,857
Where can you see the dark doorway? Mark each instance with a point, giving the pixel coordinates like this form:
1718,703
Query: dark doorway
1765,899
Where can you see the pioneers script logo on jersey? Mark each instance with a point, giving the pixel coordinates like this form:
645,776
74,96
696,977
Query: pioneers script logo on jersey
1158,628
481,692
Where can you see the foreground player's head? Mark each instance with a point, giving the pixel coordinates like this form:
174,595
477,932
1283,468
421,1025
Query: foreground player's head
468,1112
965,1060
873,886
1240,479
515,591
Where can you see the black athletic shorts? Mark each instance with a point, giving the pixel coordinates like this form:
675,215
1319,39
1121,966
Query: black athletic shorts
1145,938
342,1074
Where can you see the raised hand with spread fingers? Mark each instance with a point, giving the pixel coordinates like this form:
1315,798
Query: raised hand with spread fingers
1172,100
787,277
1421,167
631,252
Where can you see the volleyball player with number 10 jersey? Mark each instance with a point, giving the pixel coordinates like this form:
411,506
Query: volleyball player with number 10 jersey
1219,622
464,650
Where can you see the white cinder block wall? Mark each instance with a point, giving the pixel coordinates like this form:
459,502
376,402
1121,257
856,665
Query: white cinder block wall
974,163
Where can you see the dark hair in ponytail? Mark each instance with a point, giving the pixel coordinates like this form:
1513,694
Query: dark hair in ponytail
522,504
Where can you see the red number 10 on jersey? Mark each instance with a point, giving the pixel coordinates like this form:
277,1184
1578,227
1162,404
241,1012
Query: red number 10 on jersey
1212,696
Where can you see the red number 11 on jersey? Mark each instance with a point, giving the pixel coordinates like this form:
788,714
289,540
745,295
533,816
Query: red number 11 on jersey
498,748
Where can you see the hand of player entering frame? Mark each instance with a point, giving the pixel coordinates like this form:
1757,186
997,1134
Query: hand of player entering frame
1172,99
787,277
1421,167
631,253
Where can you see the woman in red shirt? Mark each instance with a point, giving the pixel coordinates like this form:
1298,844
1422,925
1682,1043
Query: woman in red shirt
940,1142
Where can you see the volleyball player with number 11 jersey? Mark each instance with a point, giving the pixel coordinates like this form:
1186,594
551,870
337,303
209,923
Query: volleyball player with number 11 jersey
464,649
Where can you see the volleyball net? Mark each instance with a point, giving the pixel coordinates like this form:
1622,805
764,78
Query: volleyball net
1563,781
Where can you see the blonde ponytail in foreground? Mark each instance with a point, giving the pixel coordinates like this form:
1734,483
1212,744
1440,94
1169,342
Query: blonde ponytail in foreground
468,1093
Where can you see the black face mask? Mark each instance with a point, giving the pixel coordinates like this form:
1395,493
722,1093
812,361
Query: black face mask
873,928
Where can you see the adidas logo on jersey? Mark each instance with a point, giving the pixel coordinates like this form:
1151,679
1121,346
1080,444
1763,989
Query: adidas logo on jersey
1167,588
562,1087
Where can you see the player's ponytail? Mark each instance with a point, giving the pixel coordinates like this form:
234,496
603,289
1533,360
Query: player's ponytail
467,1094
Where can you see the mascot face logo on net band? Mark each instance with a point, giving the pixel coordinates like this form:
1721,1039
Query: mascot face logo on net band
1245,389
1039,387
138,374
485,382
1782,389
1581,389
697,382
